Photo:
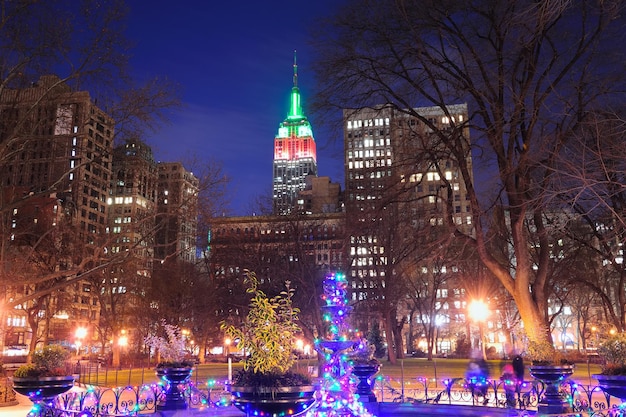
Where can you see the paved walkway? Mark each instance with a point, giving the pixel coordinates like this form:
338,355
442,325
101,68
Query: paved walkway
19,410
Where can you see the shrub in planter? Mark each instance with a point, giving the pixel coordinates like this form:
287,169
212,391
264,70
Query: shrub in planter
267,336
47,361
543,353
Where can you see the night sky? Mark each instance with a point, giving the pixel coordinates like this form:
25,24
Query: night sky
233,60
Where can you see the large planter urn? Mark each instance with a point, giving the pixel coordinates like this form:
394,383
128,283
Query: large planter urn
365,371
174,397
43,388
614,385
270,401
552,402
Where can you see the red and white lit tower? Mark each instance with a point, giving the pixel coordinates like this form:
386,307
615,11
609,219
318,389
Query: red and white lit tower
294,153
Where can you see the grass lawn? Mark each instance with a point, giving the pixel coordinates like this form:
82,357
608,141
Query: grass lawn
408,370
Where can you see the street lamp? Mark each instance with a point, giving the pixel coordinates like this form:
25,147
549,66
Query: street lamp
227,343
594,331
478,311
80,334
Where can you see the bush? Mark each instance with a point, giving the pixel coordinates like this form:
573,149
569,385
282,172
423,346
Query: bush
463,347
249,378
613,352
48,361
491,352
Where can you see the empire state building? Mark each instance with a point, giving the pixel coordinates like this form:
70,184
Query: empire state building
294,153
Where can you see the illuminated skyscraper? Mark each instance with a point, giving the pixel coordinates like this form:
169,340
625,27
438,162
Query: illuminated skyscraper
294,153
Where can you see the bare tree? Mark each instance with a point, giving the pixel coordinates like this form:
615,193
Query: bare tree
592,177
528,71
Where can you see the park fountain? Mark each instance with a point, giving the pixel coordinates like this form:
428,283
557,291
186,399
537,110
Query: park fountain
336,397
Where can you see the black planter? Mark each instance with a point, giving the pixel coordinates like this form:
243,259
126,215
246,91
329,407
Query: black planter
174,397
614,385
364,371
269,401
43,388
552,402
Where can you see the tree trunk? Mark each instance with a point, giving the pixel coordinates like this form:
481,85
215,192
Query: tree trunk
389,337
115,360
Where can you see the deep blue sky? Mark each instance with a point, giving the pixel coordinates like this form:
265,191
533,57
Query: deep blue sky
233,60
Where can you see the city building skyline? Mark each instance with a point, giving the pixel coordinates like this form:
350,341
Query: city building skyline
83,212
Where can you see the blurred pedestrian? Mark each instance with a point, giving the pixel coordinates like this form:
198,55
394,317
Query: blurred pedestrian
518,368
477,374
509,383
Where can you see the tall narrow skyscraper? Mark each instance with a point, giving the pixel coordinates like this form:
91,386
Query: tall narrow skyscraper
294,153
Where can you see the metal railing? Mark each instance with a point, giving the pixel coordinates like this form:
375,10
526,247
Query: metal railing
143,399
589,399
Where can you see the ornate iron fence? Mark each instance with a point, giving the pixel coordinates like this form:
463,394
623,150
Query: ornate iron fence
493,393
131,401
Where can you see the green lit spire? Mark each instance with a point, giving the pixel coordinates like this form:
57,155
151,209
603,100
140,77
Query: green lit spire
295,110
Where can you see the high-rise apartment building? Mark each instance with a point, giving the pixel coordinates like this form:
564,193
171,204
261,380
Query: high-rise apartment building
132,204
55,166
393,187
177,207
294,154
57,141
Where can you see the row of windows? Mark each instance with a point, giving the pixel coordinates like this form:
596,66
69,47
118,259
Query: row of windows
368,142
370,153
356,124
253,231
372,175
369,163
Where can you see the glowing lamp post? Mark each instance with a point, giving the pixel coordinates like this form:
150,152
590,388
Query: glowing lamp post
227,343
122,341
80,334
478,311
